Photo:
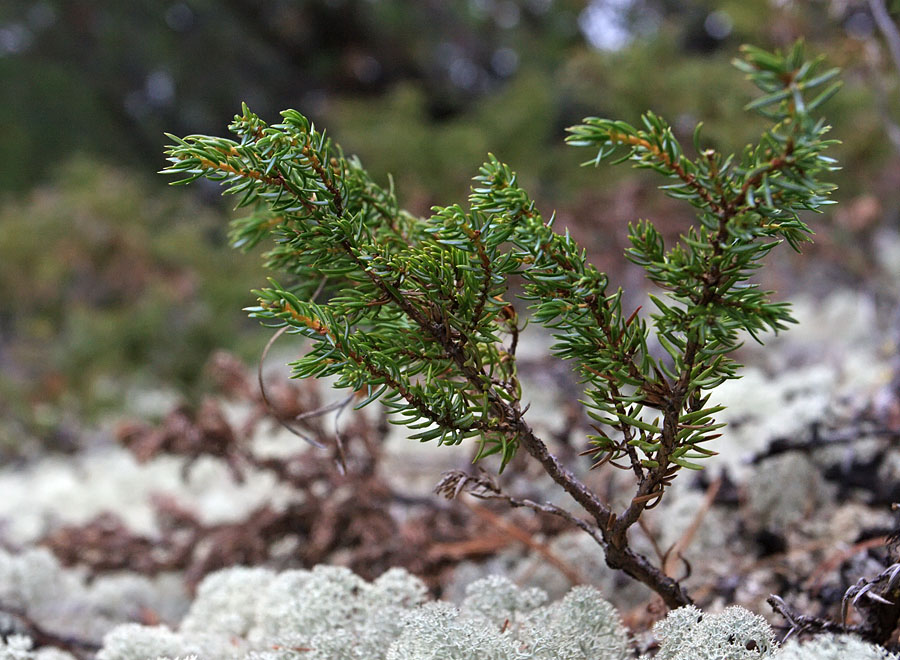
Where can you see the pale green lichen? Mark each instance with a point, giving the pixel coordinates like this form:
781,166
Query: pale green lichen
19,647
226,601
329,613
439,631
498,600
133,641
735,634
335,613
63,602
834,647
581,626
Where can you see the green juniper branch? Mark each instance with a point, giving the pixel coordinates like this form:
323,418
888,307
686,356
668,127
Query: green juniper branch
416,312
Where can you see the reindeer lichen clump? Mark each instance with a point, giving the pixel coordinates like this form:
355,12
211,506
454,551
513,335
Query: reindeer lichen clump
415,310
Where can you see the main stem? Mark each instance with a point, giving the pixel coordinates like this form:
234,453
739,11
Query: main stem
618,554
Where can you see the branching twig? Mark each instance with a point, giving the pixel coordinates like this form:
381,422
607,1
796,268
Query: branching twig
817,441
622,558
804,623
682,544
571,574
888,29
455,482
891,36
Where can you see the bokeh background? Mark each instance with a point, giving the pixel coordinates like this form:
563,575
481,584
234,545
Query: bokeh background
113,284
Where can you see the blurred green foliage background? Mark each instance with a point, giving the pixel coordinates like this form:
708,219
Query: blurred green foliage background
110,281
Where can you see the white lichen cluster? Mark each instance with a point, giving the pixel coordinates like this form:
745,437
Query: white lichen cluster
826,369
75,489
19,647
64,602
789,489
833,647
257,614
736,634
329,613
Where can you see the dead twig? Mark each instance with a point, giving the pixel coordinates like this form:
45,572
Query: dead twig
816,441
650,536
268,403
572,575
804,623
456,481
275,413
831,563
888,29
681,545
